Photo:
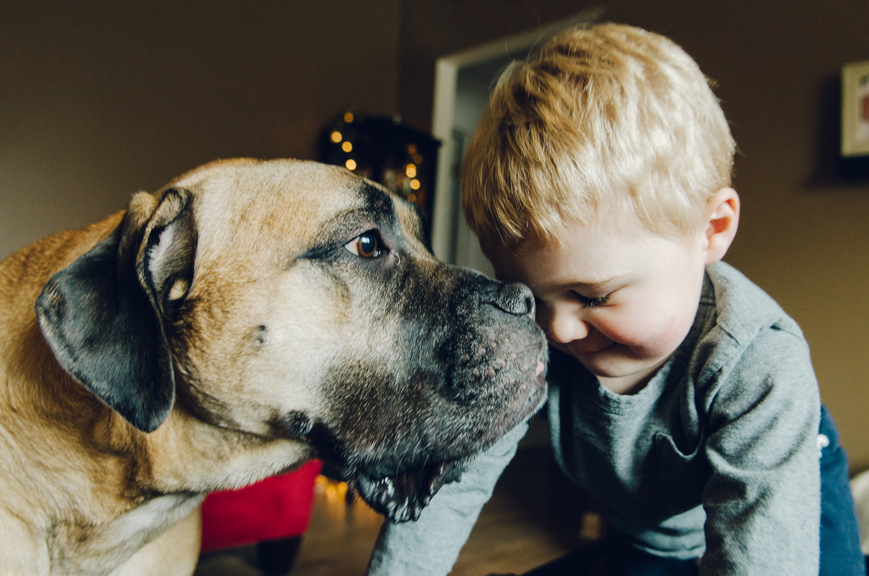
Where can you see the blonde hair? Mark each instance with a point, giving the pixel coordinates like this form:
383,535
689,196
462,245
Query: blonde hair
609,117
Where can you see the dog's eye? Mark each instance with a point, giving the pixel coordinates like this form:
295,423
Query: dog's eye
368,245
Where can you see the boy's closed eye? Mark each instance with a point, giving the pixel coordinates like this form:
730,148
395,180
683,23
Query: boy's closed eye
584,301
595,302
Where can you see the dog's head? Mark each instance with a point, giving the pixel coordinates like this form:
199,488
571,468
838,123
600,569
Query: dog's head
294,300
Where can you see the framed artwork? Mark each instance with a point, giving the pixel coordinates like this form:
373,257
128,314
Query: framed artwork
855,110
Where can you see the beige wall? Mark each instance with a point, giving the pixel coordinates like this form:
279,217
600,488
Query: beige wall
804,235
101,99
97,102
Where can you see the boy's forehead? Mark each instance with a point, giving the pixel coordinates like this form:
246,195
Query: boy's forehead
589,254
600,255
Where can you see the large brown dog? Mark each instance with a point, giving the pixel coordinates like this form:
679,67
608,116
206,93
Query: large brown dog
249,316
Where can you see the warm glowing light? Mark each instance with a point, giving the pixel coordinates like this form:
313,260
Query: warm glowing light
350,164
410,170
414,184
336,136
333,490
348,117
411,197
346,146
336,491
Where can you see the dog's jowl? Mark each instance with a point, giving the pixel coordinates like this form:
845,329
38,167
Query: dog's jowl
246,318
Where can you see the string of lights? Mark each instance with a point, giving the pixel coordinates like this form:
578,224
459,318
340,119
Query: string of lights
386,151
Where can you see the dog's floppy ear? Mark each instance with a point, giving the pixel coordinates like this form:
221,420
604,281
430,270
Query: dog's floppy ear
103,316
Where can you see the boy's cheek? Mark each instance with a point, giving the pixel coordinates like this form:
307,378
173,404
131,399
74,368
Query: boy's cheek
652,340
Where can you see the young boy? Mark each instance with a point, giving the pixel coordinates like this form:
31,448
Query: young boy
681,396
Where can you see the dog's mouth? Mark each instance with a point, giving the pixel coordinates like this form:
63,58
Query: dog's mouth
398,465
402,497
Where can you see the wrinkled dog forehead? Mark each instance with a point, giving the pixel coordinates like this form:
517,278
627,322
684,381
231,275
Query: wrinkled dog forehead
278,209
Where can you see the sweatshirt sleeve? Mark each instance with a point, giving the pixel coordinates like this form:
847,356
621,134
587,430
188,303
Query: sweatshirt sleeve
431,545
762,499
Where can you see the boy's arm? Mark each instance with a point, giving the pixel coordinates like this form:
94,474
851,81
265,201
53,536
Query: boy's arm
431,545
763,497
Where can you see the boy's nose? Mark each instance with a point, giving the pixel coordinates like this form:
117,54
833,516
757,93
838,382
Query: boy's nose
563,327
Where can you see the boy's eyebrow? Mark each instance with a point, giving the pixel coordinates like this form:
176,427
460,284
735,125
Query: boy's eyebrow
596,284
599,283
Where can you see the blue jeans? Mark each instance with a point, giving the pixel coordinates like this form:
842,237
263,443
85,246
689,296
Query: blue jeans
840,540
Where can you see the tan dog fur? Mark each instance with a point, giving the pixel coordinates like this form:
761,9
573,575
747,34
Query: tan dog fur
85,492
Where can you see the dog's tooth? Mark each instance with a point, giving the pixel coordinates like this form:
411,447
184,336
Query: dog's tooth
388,487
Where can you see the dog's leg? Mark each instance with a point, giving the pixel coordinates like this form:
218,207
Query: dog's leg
173,553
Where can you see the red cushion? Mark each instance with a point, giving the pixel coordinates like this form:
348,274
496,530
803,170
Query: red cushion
274,508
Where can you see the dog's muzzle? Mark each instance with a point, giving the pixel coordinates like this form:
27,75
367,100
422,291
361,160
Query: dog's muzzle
471,370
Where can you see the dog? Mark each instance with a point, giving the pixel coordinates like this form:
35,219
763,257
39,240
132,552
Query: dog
249,316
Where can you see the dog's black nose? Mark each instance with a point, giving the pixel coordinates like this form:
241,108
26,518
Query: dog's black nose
476,290
515,299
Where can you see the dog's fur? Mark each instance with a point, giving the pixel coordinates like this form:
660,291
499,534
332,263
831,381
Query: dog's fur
248,317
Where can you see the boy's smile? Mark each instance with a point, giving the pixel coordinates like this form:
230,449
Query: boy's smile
616,297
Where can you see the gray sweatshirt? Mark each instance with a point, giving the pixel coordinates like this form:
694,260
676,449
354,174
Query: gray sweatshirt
716,457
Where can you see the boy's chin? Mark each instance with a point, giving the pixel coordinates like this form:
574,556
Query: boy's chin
621,375
603,363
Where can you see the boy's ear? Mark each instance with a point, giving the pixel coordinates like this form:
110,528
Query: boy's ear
723,219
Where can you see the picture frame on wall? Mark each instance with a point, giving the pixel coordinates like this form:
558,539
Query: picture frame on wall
855,110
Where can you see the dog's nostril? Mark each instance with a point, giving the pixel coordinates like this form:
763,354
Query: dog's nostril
529,305
515,299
